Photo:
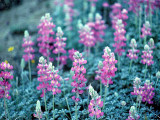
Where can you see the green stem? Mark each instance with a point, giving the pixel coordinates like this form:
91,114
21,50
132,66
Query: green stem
118,62
104,99
156,83
145,71
53,107
145,40
68,107
157,15
95,117
140,14
58,60
48,59
130,66
29,66
6,108
45,104
76,110
100,88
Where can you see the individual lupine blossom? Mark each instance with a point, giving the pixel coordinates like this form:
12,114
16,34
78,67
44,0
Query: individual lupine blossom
147,56
133,51
28,47
60,45
5,76
95,104
71,53
86,36
109,69
38,110
43,76
119,37
146,30
78,77
98,72
45,31
99,27
147,93
133,115
54,78
151,43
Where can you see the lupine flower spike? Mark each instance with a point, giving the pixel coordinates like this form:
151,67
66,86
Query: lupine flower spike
55,78
95,104
133,115
146,91
78,77
98,75
132,52
137,90
45,31
38,110
43,78
119,39
28,50
86,37
147,57
60,46
5,76
146,30
108,70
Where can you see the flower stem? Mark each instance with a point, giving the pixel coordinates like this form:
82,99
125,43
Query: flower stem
130,65
29,67
156,83
140,14
145,72
6,108
100,87
76,110
119,62
45,103
53,107
105,96
145,40
95,117
58,60
68,107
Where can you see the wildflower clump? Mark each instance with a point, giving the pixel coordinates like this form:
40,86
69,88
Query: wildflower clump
95,104
78,77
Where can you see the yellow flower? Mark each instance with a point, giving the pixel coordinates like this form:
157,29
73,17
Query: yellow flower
32,61
6,61
10,49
